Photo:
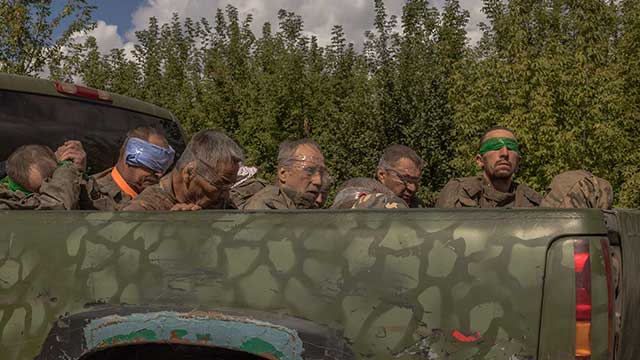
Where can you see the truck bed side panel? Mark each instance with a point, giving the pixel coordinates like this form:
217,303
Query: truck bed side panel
410,284
629,228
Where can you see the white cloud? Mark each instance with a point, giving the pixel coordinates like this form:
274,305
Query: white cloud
319,16
107,38
106,35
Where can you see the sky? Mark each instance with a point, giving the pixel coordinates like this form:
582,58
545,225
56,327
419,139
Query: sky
118,20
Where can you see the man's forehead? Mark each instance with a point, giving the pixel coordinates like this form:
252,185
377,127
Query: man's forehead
406,166
309,153
224,170
499,133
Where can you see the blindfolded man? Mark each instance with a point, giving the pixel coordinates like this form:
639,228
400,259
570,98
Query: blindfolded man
300,174
201,178
498,157
400,169
578,189
144,158
39,179
248,183
366,193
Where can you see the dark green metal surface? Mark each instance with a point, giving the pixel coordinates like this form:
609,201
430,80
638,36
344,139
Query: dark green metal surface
46,87
438,284
629,229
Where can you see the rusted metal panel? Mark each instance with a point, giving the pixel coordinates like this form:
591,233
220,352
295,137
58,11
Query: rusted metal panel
244,331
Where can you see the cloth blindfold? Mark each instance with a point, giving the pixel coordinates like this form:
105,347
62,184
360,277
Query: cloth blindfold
13,186
498,143
145,154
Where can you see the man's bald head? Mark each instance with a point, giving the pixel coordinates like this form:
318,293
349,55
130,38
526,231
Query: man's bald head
30,165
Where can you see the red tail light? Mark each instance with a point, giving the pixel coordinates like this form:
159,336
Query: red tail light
582,265
82,91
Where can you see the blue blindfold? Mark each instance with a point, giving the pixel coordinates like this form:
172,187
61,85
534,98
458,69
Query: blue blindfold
155,158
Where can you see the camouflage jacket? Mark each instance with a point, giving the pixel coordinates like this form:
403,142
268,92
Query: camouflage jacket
103,192
415,203
475,192
60,192
578,189
379,201
157,197
271,197
240,194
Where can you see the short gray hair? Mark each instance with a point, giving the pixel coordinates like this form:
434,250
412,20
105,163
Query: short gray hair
287,150
393,153
27,158
211,147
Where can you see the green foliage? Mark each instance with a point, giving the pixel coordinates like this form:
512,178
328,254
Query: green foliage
563,74
27,30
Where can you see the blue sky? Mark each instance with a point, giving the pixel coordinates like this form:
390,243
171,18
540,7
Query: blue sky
117,12
117,20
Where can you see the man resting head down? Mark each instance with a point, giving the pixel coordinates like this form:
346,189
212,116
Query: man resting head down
366,193
400,169
144,158
39,179
578,189
201,178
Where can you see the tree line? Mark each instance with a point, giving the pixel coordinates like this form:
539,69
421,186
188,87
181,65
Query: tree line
563,74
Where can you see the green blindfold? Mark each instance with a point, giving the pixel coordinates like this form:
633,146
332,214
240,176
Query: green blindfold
13,186
498,143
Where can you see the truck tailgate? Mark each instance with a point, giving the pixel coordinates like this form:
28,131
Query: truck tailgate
441,284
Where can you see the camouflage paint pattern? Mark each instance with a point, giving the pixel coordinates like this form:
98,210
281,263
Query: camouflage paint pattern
409,284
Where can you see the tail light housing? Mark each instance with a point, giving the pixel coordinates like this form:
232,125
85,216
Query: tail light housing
582,267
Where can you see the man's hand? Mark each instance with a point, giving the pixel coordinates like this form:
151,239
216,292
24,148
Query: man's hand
72,150
185,207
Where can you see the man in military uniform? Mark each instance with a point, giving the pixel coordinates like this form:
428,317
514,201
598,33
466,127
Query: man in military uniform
247,185
299,178
323,194
144,157
400,169
578,189
366,193
498,157
201,178
39,179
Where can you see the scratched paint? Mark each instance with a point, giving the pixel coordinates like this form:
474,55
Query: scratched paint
257,337
261,347
136,336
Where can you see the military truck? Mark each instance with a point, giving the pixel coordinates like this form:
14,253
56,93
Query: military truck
375,284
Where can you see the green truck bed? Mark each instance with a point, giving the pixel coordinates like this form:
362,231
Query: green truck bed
435,284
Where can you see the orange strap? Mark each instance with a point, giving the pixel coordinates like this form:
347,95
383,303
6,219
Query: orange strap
115,174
